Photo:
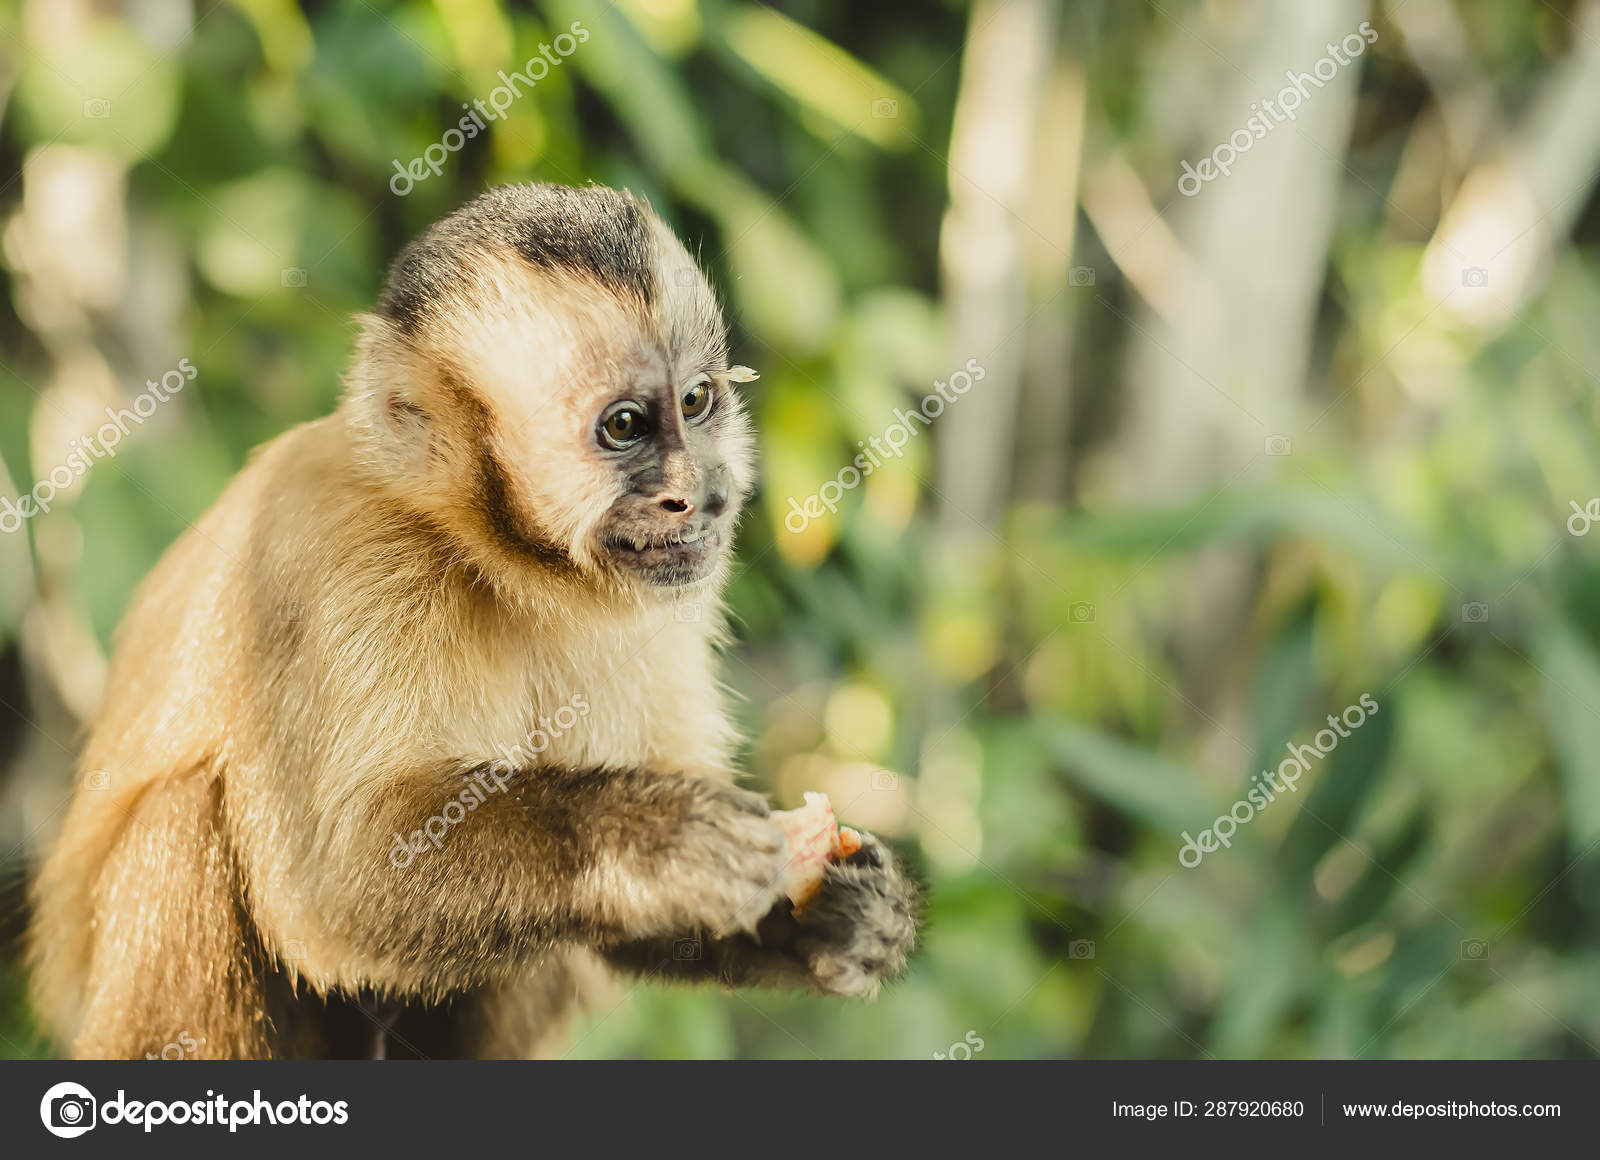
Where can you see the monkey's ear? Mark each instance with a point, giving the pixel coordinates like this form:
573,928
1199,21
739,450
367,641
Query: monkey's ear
402,412
408,427
392,426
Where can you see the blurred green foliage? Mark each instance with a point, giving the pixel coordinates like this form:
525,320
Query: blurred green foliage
1050,745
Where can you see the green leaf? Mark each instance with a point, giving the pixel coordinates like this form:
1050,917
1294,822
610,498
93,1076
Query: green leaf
1259,515
1391,858
1570,678
1271,972
1341,783
1282,688
1141,784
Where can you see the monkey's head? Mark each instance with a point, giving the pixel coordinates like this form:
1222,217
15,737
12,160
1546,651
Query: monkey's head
546,377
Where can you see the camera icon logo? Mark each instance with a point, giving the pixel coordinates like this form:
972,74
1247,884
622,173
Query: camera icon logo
1080,948
294,276
1475,612
1474,276
1475,949
685,950
1081,612
1278,445
68,1110
885,107
1081,276
97,108
687,612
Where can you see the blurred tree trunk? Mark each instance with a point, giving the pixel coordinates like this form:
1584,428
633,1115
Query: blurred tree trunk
989,246
1497,242
1216,378
1042,471
984,249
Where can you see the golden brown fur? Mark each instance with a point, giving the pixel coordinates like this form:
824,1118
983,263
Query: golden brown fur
382,601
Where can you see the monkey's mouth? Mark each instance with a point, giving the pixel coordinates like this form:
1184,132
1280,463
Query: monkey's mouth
680,556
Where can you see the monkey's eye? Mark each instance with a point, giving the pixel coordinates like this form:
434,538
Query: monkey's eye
621,427
697,400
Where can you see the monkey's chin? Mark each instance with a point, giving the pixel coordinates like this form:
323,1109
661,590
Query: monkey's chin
661,564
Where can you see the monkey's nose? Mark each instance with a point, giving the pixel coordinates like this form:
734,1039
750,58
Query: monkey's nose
677,506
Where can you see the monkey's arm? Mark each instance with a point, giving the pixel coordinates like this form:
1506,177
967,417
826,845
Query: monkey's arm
855,934
741,960
554,856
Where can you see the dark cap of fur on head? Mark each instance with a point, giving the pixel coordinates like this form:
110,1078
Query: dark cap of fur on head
590,231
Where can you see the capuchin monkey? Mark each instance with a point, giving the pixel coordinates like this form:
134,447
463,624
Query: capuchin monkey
416,735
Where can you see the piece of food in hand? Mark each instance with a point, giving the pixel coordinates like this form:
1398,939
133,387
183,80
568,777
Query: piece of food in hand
815,839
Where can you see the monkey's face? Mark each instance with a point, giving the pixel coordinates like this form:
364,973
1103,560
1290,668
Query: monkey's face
560,377
674,441
587,433
614,449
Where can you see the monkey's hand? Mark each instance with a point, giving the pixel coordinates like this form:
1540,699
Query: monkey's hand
862,924
853,935
720,868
